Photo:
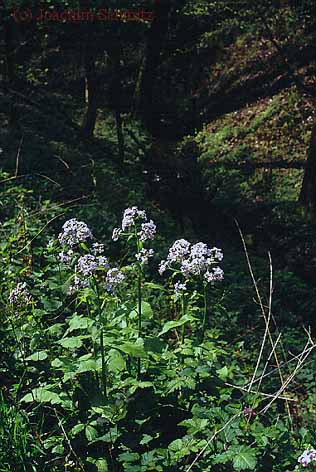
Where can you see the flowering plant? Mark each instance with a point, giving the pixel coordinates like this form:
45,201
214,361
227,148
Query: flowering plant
192,263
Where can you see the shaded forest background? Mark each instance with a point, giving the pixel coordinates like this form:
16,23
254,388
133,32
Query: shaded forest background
212,102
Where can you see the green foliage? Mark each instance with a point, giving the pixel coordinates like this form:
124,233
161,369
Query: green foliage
19,450
90,391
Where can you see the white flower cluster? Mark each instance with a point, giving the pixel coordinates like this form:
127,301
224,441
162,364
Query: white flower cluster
194,260
131,217
307,457
86,265
20,296
148,231
135,222
113,278
74,232
89,264
179,288
144,255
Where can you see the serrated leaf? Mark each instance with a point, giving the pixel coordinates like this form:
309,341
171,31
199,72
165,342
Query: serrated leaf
244,458
223,373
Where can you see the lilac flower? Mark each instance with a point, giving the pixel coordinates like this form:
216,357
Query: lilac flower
179,288
186,268
131,215
97,248
200,250
102,262
194,260
113,278
20,296
148,231
217,254
88,264
116,234
179,250
308,456
74,232
216,274
163,266
144,255
194,266
77,284
66,257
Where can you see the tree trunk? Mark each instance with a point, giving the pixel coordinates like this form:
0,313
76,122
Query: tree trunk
91,96
155,40
308,189
9,75
115,89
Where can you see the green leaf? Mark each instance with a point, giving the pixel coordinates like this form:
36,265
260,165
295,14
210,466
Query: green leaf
244,458
116,362
146,439
154,286
37,356
73,342
56,329
77,429
132,349
42,395
51,305
146,311
129,457
155,345
175,324
223,373
88,365
91,433
101,464
79,322
176,445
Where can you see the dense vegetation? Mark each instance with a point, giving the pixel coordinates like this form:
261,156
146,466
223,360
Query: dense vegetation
158,254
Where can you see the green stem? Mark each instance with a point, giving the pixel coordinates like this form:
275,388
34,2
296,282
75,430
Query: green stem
139,296
204,312
183,313
139,292
139,315
21,347
103,365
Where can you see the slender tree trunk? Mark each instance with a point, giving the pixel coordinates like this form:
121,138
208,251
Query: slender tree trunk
91,96
9,75
308,189
116,96
155,41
